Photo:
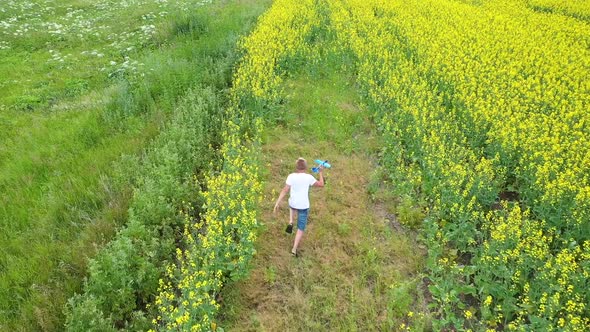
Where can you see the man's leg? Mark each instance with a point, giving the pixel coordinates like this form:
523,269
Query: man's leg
291,212
298,237
301,224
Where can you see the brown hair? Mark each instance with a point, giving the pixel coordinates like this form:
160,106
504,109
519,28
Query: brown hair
301,164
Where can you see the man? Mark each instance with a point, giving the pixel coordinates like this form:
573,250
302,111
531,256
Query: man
297,185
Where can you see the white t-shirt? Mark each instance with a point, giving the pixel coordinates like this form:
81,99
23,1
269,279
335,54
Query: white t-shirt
300,183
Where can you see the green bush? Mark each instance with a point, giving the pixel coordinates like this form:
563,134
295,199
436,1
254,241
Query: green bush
124,275
85,315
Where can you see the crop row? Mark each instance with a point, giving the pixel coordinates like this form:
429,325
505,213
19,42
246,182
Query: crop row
219,245
577,9
279,39
489,129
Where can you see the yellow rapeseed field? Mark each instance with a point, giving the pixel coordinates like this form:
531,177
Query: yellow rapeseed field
484,109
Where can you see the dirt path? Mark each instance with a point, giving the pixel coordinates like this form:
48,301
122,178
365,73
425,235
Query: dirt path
355,272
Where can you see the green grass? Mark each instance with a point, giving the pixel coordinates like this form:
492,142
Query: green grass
57,201
62,49
66,178
355,272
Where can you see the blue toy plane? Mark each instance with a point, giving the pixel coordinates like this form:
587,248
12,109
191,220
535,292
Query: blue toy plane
321,163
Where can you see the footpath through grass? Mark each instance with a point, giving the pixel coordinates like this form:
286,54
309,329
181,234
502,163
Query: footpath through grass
356,272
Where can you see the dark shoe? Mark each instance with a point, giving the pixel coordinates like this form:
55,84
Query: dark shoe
289,228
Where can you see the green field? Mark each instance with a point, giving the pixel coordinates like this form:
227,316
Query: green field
89,103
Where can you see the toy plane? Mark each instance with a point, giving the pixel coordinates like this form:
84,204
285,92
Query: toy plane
321,163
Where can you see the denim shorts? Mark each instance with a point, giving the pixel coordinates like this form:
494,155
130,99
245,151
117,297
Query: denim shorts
301,218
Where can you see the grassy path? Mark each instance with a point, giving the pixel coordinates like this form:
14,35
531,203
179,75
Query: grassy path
355,272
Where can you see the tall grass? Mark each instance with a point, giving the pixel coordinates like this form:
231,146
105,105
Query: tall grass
66,183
